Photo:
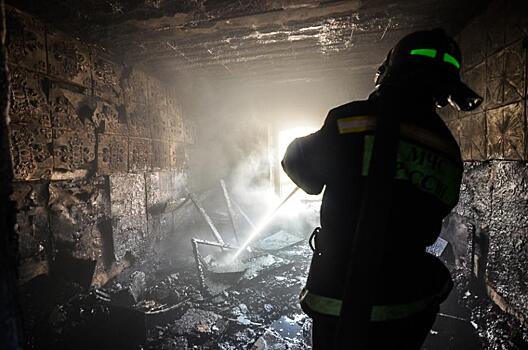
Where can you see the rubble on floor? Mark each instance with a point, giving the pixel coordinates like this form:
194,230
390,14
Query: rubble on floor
496,329
239,316
160,305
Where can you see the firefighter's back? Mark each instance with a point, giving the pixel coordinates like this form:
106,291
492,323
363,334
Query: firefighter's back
425,188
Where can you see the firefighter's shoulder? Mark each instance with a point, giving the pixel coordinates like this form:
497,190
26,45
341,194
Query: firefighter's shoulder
362,107
352,117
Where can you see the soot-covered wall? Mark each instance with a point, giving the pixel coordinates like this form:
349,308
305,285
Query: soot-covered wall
494,146
98,150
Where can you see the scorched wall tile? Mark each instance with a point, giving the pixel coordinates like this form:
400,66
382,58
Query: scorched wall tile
69,59
73,150
476,79
159,188
506,132
156,93
112,154
129,223
515,65
139,155
110,118
71,110
505,76
76,210
159,126
160,155
25,40
27,99
106,76
175,124
134,86
138,119
31,152
473,136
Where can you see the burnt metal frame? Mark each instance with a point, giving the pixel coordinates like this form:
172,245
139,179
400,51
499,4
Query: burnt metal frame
216,233
199,260
230,210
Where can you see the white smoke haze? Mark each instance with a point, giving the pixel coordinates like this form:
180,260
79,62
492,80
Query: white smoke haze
232,120
179,183
249,187
260,199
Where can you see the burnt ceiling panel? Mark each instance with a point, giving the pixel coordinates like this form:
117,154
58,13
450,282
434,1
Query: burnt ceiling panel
270,40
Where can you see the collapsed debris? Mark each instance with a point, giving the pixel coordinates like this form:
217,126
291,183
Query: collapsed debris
247,303
220,272
246,309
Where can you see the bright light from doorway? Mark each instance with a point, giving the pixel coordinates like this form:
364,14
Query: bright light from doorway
288,135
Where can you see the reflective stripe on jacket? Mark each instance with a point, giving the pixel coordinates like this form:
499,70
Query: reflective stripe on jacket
332,307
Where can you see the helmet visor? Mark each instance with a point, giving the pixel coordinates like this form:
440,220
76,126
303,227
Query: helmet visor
463,98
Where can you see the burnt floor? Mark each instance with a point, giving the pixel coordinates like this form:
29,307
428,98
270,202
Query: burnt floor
256,311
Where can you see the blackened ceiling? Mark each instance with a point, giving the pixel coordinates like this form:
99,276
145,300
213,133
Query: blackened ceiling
258,40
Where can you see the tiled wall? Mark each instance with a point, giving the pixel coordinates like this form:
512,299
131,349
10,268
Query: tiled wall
95,145
494,64
494,146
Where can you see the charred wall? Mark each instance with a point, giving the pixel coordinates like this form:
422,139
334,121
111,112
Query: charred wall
9,308
494,147
98,151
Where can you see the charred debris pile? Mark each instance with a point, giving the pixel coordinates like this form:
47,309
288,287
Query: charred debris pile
186,292
190,293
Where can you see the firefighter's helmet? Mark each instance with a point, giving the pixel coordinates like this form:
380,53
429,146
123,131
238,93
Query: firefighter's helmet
433,60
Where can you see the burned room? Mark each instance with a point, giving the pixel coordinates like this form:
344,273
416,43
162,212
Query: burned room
264,175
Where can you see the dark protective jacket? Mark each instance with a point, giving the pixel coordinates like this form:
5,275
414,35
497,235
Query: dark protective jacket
425,189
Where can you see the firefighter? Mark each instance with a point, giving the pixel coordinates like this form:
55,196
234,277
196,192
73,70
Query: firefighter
391,171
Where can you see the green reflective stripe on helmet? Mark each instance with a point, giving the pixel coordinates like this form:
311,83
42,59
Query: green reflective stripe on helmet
450,59
432,54
427,170
332,307
424,52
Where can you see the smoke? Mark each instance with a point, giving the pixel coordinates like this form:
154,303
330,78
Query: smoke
250,184
232,119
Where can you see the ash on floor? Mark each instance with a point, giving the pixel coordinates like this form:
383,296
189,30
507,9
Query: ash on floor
258,313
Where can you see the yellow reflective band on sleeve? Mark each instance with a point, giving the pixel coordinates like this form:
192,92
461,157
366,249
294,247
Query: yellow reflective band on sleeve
332,307
356,124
